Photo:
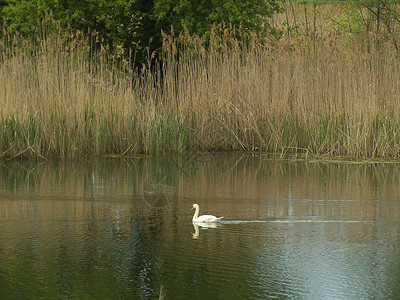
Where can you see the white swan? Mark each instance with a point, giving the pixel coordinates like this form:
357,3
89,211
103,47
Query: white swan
203,218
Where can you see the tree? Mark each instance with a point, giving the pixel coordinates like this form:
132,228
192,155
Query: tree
379,19
116,21
132,24
199,16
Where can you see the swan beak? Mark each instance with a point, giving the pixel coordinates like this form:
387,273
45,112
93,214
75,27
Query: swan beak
192,208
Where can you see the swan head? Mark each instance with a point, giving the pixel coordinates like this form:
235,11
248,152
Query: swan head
194,206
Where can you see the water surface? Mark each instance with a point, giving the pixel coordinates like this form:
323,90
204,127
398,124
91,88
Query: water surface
121,229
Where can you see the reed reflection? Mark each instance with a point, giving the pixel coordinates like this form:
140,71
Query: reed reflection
289,228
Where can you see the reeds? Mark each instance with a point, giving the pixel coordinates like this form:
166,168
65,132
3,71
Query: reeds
305,94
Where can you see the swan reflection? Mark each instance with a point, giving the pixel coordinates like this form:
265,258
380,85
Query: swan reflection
203,225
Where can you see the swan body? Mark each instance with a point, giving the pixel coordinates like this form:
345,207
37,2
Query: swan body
203,218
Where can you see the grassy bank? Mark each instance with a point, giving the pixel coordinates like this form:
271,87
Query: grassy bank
309,93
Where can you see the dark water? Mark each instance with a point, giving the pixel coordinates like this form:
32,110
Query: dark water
121,229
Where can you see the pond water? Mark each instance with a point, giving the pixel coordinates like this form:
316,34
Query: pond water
122,229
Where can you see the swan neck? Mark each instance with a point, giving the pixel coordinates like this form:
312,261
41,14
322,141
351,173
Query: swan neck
196,213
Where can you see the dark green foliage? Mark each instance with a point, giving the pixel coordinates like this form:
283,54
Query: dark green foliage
199,16
116,22
2,4
135,25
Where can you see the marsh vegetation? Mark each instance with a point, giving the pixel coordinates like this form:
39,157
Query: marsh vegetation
321,89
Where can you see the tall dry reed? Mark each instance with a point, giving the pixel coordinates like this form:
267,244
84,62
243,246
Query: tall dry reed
300,95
